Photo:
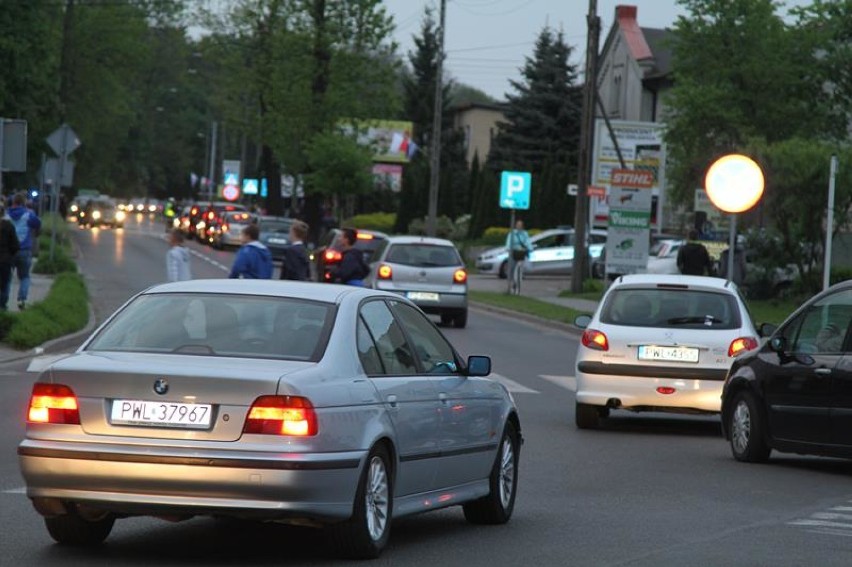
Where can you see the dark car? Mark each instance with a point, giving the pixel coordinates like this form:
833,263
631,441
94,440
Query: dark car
196,216
794,394
275,234
328,254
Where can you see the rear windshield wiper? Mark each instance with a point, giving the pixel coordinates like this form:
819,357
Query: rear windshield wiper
695,319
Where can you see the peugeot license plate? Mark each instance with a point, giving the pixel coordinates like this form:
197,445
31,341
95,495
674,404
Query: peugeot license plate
668,354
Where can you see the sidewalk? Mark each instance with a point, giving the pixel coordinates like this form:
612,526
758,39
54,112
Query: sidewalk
543,288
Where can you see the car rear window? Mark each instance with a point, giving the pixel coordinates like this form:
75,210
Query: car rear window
275,226
423,255
670,307
219,325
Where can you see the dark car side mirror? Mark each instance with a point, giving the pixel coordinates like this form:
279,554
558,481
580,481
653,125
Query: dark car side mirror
778,344
582,321
767,329
478,366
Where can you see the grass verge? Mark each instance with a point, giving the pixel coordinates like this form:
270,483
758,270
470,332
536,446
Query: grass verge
771,310
64,310
526,305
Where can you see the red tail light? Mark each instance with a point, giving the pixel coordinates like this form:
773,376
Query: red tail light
225,227
53,403
211,215
742,344
194,211
365,236
282,415
333,256
460,276
595,340
385,272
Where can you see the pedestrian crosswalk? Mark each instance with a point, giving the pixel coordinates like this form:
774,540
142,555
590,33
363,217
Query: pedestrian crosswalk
836,521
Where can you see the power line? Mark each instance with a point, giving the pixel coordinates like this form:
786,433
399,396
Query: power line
485,47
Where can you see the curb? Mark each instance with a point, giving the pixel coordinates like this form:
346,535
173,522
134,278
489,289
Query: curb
526,317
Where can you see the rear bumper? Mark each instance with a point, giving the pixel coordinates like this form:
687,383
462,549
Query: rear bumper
694,390
135,480
446,301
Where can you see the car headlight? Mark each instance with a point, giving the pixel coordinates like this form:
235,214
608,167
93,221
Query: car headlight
120,216
96,215
200,225
74,208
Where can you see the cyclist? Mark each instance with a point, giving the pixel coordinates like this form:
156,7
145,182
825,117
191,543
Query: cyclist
519,246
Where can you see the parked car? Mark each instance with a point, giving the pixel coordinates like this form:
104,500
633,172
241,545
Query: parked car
226,228
660,343
328,254
181,405
553,253
428,271
793,394
275,234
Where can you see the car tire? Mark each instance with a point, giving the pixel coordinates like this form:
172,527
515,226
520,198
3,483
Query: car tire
588,416
747,426
460,319
73,529
497,507
366,533
446,319
503,272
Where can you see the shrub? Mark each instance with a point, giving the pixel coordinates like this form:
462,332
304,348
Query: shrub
840,274
63,311
593,286
60,263
444,227
496,235
383,222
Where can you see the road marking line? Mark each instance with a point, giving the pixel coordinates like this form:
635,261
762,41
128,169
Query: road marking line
198,254
20,490
830,516
39,363
567,382
829,531
512,386
821,523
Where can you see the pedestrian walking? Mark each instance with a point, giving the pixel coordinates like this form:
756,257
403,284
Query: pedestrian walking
8,249
295,264
352,268
518,242
177,258
27,224
253,261
693,258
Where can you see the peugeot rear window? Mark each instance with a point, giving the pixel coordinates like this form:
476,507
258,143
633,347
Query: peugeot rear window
219,325
671,308
423,255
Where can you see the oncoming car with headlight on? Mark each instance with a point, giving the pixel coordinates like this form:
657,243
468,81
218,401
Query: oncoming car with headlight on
330,406
660,343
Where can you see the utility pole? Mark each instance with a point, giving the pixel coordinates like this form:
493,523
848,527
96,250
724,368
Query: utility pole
587,130
435,168
212,171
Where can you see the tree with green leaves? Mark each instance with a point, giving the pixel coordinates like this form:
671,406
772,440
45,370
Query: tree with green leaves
740,73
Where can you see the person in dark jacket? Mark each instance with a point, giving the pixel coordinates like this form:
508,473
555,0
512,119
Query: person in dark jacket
253,261
27,224
9,247
693,258
295,264
352,269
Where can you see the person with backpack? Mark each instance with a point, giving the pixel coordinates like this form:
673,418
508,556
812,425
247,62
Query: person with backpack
352,268
27,224
295,264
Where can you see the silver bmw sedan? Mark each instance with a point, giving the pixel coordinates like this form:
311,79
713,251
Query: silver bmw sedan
329,405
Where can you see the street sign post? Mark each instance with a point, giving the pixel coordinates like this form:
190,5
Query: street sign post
63,141
515,191
250,187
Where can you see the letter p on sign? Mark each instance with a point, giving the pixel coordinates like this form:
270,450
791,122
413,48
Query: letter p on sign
515,189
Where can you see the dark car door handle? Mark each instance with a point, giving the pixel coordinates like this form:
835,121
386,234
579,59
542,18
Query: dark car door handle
822,371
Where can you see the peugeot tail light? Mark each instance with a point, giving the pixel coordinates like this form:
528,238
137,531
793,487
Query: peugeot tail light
595,340
742,344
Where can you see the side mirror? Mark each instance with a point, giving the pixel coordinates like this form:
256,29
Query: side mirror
582,321
478,366
767,329
778,344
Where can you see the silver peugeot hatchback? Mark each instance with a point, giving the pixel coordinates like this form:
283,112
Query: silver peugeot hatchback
428,271
280,401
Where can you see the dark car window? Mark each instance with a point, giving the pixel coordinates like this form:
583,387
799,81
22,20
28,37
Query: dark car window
367,351
671,308
555,241
219,325
823,327
423,255
275,226
394,351
435,353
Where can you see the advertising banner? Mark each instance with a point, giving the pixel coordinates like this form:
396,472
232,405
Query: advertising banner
629,216
390,139
388,176
643,149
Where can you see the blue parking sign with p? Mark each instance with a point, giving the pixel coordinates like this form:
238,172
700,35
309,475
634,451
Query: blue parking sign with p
515,189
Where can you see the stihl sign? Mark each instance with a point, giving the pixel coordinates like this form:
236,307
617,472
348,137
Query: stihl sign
637,178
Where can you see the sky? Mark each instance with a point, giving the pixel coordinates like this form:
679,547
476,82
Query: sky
487,40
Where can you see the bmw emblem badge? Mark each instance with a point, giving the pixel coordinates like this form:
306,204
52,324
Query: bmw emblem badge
161,386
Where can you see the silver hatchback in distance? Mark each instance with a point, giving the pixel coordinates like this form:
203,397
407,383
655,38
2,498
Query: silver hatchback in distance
277,401
428,271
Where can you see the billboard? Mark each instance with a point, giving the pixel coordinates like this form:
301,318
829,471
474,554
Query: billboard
629,219
388,176
643,149
390,139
